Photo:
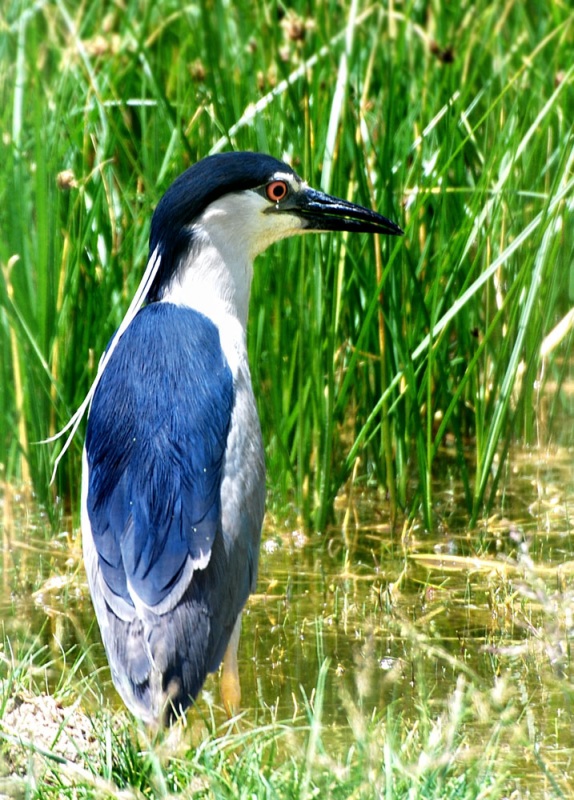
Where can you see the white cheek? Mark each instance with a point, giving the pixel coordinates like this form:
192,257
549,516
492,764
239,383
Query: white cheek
276,226
244,224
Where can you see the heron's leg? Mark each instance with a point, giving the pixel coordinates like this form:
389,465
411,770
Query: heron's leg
229,686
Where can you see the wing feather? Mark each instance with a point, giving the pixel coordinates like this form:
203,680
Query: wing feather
155,446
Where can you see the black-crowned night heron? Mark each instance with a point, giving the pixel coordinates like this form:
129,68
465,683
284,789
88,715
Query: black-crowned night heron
174,475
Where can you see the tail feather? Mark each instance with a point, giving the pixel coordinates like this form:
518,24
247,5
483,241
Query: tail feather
160,663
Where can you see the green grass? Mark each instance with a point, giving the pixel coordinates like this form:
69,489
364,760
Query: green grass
454,120
386,670
445,730
422,753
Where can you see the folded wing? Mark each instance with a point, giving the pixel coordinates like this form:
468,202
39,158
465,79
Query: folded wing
155,446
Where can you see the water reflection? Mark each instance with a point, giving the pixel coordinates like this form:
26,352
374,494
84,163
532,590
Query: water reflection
397,617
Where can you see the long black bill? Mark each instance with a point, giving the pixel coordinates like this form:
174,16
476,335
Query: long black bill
322,212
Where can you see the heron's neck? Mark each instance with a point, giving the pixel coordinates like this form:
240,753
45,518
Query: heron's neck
216,281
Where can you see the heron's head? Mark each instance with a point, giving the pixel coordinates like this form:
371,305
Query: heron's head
240,203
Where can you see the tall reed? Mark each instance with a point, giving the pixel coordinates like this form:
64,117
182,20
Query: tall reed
452,120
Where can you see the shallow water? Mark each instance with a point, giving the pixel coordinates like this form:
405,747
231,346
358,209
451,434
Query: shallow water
396,616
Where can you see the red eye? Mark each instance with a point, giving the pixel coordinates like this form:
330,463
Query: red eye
276,190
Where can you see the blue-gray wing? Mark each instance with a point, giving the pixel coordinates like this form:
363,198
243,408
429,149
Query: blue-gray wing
155,447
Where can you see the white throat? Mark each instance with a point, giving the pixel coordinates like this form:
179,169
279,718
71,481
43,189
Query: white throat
214,280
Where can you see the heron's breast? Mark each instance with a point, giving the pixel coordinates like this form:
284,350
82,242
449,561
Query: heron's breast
243,484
